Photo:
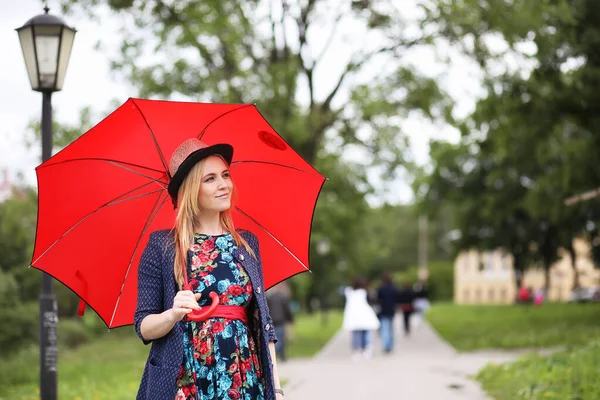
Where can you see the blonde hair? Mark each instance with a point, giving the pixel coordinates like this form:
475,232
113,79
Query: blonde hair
188,213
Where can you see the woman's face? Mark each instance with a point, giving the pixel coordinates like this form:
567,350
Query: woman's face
215,186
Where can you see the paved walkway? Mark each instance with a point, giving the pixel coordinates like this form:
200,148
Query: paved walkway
422,367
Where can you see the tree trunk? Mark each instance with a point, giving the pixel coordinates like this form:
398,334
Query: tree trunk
548,252
547,262
547,278
574,264
518,268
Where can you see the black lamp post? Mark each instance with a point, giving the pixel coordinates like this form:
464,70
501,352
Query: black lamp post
46,42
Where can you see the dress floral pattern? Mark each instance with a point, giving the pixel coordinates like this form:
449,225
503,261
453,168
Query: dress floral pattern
220,355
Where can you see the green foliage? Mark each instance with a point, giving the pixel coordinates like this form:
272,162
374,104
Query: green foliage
8,290
62,134
264,53
20,286
110,366
569,374
311,332
515,326
21,327
270,54
18,216
440,283
20,368
531,142
72,334
18,308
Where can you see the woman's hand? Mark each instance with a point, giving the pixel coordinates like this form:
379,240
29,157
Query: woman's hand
185,302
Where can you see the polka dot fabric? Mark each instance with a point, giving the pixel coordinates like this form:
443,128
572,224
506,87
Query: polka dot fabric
156,290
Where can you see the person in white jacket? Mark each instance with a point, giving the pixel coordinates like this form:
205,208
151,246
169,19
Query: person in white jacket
359,317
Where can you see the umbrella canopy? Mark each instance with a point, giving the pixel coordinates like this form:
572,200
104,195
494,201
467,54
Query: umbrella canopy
102,196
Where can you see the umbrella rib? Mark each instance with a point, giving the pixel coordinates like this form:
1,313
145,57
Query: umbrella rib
109,203
115,202
162,157
153,213
220,116
121,164
102,159
139,173
276,164
272,236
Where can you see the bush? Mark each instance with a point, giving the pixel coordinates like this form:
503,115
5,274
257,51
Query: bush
19,327
569,374
93,323
67,300
71,333
441,279
9,290
20,368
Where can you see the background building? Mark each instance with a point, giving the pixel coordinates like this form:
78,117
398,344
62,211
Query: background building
488,277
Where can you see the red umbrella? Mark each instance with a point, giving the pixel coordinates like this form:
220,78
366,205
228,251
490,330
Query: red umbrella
102,196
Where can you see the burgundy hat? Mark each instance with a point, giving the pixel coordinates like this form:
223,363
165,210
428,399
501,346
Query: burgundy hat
188,154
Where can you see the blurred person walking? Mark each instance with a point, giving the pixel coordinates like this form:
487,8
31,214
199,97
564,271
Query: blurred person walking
387,294
279,302
405,303
359,318
421,300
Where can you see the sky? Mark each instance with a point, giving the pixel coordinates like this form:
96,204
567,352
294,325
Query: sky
89,82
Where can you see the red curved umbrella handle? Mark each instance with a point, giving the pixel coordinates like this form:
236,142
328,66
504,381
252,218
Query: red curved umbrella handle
205,312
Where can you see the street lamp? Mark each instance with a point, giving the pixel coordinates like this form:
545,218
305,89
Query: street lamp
46,42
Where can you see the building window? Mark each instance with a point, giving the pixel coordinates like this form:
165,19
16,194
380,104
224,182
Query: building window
491,295
503,295
489,261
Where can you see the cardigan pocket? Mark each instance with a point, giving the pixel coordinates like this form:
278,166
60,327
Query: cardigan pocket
162,381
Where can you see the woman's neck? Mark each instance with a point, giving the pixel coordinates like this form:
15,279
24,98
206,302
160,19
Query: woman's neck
210,224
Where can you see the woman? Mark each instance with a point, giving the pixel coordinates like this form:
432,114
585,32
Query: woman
359,318
229,354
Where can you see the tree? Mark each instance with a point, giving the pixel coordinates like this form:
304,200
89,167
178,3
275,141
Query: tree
271,53
532,136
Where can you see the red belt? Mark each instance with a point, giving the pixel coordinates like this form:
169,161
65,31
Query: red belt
230,312
216,310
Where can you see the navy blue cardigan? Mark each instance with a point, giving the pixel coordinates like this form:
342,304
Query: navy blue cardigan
156,290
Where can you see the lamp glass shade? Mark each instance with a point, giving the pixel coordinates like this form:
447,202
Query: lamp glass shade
46,43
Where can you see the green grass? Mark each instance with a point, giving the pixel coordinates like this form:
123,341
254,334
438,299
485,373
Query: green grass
311,332
110,366
566,375
516,326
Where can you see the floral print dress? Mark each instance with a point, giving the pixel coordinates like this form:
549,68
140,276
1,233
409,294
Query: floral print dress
220,355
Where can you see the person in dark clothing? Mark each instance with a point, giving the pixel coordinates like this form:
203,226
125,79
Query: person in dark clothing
405,302
278,300
421,297
387,295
